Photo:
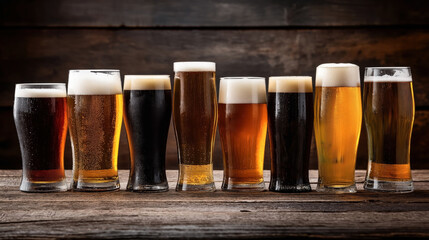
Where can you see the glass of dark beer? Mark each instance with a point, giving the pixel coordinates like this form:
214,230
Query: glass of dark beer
147,113
40,114
290,128
389,115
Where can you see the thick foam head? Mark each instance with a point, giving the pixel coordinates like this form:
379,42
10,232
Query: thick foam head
195,67
387,74
242,90
94,82
40,90
147,82
290,84
337,75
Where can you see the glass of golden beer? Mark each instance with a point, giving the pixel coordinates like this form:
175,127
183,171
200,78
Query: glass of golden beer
243,130
389,115
40,114
95,116
195,119
337,125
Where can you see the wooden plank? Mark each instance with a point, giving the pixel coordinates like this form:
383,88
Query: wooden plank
224,13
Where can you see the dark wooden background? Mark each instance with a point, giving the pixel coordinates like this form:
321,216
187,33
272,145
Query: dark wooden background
40,40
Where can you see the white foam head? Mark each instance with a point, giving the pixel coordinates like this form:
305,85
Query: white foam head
195,67
387,74
290,84
337,75
94,82
234,90
147,82
40,90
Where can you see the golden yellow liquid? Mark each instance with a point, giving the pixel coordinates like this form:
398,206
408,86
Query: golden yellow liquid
196,174
337,126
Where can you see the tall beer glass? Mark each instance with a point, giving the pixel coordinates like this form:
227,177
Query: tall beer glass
40,114
290,125
337,125
95,116
243,130
195,119
389,115
147,113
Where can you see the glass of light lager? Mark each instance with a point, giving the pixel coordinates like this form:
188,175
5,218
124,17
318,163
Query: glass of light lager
147,113
195,119
243,130
95,116
40,114
290,127
389,115
337,125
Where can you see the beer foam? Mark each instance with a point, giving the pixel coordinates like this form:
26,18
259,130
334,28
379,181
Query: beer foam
94,82
40,92
337,75
195,67
290,84
147,82
242,90
387,78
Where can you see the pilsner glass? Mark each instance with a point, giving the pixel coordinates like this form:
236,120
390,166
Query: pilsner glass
40,114
195,119
95,117
147,113
337,125
243,130
389,115
290,128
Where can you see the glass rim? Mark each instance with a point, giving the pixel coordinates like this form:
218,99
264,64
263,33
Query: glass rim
94,70
400,67
40,84
242,78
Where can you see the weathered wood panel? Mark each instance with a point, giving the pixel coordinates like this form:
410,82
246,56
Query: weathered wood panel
224,13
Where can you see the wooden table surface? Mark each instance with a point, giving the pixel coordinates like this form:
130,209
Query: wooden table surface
122,214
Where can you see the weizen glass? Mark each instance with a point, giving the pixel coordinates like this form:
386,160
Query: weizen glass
337,125
147,113
40,114
290,128
243,130
195,119
389,115
95,117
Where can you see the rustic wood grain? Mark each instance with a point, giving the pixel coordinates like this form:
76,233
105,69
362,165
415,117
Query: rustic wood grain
171,214
224,13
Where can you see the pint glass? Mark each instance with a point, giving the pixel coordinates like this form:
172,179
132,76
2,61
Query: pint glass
147,113
40,114
95,116
195,119
389,115
337,125
243,130
290,128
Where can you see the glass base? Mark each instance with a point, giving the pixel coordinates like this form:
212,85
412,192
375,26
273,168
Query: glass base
290,188
328,189
41,187
82,186
389,186
163,187
257,187
210,187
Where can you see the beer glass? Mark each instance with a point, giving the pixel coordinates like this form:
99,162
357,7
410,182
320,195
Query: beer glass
243,130
147,113
195,119
40,115
337,125
95,116
290,128
389,115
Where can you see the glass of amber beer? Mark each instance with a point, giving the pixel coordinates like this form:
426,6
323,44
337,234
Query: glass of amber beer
95,116
195,119
40,114
243,130
389,115
337,125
